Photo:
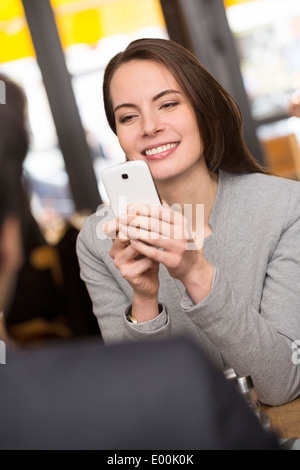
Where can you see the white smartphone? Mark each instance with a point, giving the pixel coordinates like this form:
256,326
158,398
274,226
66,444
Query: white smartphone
129,183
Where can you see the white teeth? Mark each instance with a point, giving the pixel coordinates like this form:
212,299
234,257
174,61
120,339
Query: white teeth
157,150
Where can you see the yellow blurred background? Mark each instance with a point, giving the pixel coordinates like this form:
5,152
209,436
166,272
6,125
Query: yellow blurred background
267,38
78,21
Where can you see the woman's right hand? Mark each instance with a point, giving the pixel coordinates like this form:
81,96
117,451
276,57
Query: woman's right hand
140,272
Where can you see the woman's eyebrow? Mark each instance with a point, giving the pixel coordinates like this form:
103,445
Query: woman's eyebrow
125,105
163,93
155,98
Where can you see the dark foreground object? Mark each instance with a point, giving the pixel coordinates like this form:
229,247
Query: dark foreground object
84,395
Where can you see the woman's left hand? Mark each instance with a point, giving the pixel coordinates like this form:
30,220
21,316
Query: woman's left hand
164,235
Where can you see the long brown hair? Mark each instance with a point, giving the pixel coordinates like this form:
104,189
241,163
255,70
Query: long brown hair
218,115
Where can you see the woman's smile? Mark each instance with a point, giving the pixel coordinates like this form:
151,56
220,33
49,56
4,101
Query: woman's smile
160,151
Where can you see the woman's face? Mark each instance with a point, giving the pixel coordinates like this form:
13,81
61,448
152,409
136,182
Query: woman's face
154,119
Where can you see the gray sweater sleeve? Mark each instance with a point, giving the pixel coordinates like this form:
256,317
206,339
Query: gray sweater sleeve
260,343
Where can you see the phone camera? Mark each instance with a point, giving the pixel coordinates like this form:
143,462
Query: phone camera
125,176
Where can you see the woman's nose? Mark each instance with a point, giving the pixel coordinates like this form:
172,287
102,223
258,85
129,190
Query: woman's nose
151,125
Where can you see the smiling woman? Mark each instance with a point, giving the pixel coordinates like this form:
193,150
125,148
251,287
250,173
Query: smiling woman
235,295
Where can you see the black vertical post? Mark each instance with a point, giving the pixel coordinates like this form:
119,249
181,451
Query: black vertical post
62,102
202,27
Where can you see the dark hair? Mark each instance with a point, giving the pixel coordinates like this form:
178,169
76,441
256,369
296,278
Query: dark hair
218,115
14,142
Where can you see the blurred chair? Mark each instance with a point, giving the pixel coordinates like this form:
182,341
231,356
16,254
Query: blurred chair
51,301
39,330
282,155
43,260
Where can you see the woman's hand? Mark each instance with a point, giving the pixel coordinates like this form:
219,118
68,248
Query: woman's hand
164,236
140,272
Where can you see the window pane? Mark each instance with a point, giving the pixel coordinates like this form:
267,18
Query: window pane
44,165
92,32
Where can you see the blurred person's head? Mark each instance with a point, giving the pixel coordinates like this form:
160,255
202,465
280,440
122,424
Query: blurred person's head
13,149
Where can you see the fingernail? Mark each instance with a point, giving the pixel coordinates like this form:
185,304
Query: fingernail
131,208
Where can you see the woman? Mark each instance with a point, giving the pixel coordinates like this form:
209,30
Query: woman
237,296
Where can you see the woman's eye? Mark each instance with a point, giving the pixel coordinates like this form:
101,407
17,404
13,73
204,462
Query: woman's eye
169,105
125,119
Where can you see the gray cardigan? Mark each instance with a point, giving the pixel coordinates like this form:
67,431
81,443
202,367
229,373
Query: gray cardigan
251,317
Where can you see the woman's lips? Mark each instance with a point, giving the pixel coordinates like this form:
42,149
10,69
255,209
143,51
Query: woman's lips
161,151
